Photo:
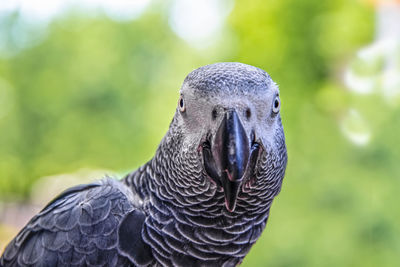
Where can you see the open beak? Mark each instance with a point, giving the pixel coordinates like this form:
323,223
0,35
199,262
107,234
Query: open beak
227,157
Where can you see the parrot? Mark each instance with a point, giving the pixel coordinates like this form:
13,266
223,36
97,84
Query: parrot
203,199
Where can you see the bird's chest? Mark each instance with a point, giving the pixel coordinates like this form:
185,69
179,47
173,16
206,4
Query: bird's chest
207,235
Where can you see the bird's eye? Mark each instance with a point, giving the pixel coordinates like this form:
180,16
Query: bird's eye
181,104
276,105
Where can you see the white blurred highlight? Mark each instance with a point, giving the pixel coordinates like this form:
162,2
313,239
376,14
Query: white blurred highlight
355,128
29,26
381,60
385,49
199,22
46,10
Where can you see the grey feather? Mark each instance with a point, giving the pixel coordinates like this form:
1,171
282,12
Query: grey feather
172,211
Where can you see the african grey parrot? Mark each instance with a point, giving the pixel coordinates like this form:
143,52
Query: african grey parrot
202,200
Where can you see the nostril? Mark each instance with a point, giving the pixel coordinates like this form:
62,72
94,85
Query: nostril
248,113
214,113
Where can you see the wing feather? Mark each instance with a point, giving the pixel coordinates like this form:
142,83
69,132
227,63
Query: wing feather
81,228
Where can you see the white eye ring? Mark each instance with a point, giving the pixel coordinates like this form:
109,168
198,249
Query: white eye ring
181,104
276,105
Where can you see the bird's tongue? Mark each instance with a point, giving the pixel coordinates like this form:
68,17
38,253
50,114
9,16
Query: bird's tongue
231,190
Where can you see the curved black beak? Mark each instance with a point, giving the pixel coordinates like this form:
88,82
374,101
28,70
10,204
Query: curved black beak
228,157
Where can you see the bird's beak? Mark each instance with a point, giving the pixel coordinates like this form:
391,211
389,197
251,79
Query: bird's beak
228,157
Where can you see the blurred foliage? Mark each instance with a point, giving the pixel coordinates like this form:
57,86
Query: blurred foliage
97,93
92,94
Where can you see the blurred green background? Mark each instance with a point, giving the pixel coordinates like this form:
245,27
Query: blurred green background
92,90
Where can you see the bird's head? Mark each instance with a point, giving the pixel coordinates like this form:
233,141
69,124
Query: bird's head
230,114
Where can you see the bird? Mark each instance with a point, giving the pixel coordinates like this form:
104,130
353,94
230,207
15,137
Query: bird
203,199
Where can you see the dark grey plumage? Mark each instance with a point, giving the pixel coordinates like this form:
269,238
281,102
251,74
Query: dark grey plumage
174,210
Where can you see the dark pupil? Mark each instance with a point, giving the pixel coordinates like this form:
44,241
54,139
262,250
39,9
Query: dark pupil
181,103
276,103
